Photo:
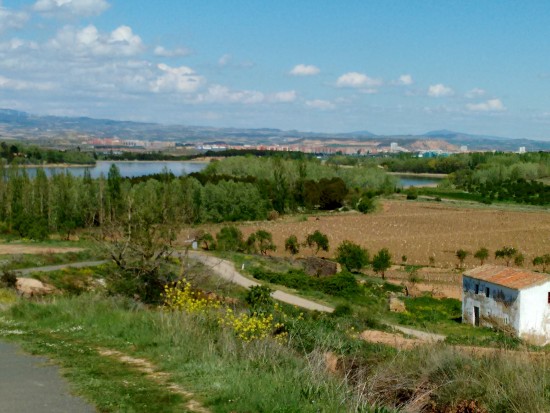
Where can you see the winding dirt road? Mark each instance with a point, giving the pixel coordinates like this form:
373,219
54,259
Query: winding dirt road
226,270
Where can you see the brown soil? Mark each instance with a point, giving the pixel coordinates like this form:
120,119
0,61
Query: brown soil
420,230
391,339
396,340
30,249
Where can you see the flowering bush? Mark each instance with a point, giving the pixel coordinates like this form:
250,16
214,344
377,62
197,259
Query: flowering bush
181,297
246,326
250,327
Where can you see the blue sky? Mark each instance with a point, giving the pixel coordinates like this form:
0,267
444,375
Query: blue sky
390,67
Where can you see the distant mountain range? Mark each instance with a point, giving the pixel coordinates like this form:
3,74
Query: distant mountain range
66,130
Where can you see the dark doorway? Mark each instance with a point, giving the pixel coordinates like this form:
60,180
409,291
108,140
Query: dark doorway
476,316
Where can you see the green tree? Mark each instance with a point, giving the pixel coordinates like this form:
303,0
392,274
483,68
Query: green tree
333,192
206,239
381,261
292,245
114,181
230,239
519,259
139,242
506,253
264,240
317,240
543,261
461,255
352,256
481,254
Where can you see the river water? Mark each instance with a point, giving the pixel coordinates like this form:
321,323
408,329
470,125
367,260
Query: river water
406,181
128,169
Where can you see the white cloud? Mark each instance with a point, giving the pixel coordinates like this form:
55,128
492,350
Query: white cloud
15,44
222,94
70,8
320,104
15,84
120,42
491,105
404,80
284,97
227,60
177,52
304,70
176,79
11,19
357,80
474,93
440,90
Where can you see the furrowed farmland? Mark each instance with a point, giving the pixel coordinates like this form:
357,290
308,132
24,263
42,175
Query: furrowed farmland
421,230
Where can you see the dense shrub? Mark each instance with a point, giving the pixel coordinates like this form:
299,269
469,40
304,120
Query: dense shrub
8,278
366,205
343,284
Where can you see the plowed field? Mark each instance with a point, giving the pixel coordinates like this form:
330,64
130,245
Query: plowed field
422,229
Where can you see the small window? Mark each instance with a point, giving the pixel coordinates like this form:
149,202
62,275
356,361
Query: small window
487,291
477,288
548,297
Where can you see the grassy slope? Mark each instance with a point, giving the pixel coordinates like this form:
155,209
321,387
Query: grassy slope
226,374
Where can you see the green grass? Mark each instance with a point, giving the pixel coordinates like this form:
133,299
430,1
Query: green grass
226,374
21,261
444,316
369,303
370,306
7,297
53,242
76,280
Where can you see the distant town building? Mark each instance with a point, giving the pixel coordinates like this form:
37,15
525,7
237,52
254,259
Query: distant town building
464,148
495,295
522,149
394,147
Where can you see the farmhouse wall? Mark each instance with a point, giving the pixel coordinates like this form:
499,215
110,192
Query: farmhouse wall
501,306
535,314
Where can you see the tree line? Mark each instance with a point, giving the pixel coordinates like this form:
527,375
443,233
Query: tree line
19,153
236,189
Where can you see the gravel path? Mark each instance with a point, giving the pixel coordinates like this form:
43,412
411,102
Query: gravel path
226,270
29,385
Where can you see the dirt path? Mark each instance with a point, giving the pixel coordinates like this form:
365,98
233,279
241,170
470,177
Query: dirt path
423,338
6,249
152,372
422,335
48,268
226,270
31,384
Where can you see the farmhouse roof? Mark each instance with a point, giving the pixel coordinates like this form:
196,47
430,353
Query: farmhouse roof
514,278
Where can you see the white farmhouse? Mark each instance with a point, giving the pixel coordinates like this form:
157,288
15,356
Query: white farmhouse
519,298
